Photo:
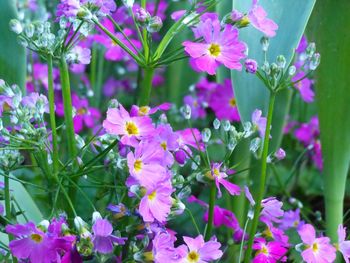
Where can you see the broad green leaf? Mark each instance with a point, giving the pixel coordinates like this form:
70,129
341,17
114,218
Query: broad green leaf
330,32
291,17
12,55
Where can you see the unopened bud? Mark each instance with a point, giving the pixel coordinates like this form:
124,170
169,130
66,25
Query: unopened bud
292,70
310,50
16,26
155,24
216,124
206,134
315,61
142,15
281,62
251,66
264,43
186,111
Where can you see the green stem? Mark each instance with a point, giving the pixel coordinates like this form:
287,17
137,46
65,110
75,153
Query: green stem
211,211
262,178
68,108
7,197
51,94
144,33
146,87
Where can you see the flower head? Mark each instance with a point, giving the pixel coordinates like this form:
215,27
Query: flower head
219,47
219,178
269,252
343,245
317,249
258,18
199,251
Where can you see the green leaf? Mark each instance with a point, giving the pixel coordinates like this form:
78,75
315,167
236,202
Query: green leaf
291,17
332,38
12,55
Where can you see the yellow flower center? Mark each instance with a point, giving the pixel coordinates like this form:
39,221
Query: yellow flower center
149,257
264,250
143,110
81,111
36,238
164,145
216,172
244,21
268,233
152,195
315,247
131,128
138,165
233,102
214,50
193,257
296,223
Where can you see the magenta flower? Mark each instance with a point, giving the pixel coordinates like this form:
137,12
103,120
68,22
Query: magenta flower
40,75
251,66
68,8
308,131
119,122
200,251
317,249
32,244
188,137
219,178
304,87
258,18
223,102
269,252
102,238
343,245
156,204
219,47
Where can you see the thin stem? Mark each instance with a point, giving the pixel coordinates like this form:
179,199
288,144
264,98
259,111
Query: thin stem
211,211
51,93
7,196
68,108
146,87
262,178
117,41
145,33
193,221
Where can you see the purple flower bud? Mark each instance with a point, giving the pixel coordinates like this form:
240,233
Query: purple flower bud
236,15
280,154
251,66
142,15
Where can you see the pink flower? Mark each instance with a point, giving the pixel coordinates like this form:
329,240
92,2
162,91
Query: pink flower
223,102
144,165
258,18
343,245
200,251
219,178
145,110
318,250
164,251
156,204
119,122
219,47
259,122
269,252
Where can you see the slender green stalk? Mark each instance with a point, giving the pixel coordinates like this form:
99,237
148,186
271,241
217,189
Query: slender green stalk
55,159
145,34
209,228
68,108
7,196
262,177
146,87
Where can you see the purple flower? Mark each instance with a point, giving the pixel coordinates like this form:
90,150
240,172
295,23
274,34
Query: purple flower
343,245
259,122
317,249
308,131
251,66
163,249
223,102
280,154
196,104
200,251
68,8
219,47
33,244
219,178
249,196
271,210
302,45
79,55
291,219
105,6
102,238
304,87
258,18
36,101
